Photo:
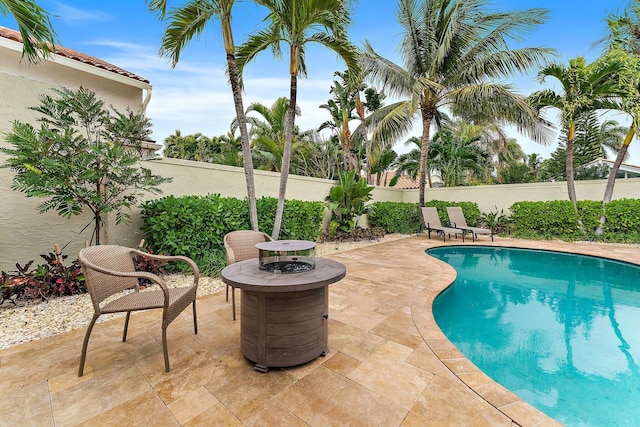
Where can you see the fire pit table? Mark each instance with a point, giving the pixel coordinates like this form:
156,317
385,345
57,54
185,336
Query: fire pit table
285,303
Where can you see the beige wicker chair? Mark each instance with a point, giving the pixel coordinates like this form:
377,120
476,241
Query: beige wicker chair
109,270
241,245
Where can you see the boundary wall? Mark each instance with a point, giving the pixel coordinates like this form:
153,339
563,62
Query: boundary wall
25,234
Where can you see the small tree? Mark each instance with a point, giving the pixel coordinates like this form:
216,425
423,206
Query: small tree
82,156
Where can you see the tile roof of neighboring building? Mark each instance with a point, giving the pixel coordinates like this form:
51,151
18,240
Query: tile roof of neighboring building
404,182
76,56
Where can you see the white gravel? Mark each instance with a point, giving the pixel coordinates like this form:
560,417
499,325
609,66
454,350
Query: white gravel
58,315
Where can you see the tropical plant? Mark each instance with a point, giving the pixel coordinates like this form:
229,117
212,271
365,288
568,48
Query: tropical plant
189,21
81,157
341,107
268,133
496,220
455,157
319,157
38,36
347,200
196,147
584,88
298,23
624,38
452,52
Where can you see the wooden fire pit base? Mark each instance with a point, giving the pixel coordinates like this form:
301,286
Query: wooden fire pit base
283,316
284,329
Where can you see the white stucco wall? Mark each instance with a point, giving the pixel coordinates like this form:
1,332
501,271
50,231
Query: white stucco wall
24,234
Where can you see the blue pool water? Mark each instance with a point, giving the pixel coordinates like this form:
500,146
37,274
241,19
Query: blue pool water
561,331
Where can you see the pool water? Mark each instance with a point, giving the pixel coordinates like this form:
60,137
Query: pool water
561,331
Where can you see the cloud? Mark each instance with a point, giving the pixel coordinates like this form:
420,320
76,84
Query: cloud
70,13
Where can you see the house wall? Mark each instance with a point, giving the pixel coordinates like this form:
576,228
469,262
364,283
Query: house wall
25,234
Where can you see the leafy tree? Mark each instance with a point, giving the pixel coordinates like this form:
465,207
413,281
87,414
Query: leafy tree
81,157
298,23
319,157
452,52
190,21
38,36
584,88
455,157
196,147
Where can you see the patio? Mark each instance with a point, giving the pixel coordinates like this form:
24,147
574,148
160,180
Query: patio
388,365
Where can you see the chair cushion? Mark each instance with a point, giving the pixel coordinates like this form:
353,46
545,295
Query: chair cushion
144,300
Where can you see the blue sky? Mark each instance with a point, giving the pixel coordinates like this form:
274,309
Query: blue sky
195,97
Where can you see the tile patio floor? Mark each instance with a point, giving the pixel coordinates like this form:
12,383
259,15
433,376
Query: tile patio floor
388,365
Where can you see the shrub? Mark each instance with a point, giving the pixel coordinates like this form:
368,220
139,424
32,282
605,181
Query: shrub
301,220
557,219
395,217
195,226
48,280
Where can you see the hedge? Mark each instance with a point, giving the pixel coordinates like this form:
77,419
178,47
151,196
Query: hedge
399,217
195,226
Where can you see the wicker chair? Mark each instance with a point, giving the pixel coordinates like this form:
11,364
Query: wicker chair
109,270
241,245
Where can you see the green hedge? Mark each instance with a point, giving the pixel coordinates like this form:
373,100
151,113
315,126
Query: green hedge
557,219
195,226
398,217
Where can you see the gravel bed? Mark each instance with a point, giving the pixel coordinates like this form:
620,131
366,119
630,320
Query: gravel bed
43,319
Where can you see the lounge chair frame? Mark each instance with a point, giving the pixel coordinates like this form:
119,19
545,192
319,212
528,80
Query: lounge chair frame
457,220
432,223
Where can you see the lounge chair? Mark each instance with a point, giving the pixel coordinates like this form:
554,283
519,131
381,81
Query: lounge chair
432,222
457,220
240,245
109,270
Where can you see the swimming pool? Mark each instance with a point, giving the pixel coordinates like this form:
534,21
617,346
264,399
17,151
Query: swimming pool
561,331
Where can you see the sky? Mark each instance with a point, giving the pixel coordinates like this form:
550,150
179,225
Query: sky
194,96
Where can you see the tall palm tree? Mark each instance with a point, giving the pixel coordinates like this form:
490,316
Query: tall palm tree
452,52
584,88
38,36
189,21
298,23
625,37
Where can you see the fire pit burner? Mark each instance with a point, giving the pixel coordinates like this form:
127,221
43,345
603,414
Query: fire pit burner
286,256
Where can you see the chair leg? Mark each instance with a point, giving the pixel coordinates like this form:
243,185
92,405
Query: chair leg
227,297
126,326
233,301
165,349
85,344
195,319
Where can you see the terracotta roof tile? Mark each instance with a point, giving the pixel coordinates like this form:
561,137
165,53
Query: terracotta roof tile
404,182
76,56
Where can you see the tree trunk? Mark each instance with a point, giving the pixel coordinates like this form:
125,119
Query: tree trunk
424,149
247,161
286,157
97,221
571,187
611,181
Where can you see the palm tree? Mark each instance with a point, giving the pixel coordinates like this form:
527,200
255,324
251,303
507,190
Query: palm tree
268,132
341,107
452,51
38,36
298,23
189,21
583,89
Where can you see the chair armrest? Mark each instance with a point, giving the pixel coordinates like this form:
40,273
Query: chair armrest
189,261
231,257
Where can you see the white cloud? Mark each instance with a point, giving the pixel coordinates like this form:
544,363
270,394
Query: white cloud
70,13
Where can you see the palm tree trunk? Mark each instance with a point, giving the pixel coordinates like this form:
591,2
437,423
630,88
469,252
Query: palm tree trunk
247,161
424,149
286,157
571,187
611,181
